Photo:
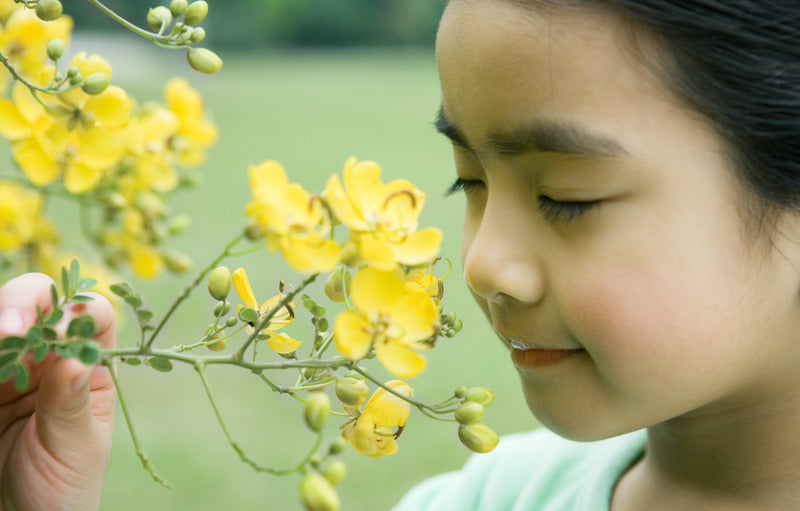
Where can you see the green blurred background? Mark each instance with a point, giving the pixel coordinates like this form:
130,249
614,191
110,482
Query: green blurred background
309,83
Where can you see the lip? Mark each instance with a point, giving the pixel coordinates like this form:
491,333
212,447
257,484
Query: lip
528,355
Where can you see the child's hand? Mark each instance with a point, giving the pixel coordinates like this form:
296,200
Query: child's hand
55,438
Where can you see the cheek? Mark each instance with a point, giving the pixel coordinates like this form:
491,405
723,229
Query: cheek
637,323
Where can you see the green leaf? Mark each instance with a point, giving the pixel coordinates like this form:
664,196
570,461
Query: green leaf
9,358
13,342
133,301
144,315
309,304
120,290
133,361
81,299
74,274
89,353
54,296
34,334
40,353
318,311
248,315
65,281
49,333
54,317
322,324
81,326
22,378
7,371
86,283
160,364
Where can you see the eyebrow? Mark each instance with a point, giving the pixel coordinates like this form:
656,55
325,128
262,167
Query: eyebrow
540,136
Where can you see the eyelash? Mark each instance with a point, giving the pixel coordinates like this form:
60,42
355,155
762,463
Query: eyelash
553,211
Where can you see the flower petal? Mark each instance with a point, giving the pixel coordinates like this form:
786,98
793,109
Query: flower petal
80,178
375,291
343,209
400,360
416,316
111,107
281,343
388,410
242,286
377,253
353,339
311,255
12,124
38,165
419,247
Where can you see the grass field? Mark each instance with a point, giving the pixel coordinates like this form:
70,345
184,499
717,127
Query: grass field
310,111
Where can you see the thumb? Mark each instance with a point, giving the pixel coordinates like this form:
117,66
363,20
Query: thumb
64,418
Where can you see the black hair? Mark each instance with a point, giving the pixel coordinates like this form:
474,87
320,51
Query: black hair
737,62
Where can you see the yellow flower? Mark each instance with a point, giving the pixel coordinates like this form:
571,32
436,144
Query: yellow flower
279,343
422,280
20,213
292,220
147,137
375,430
388,317
24,38
195,132
382,217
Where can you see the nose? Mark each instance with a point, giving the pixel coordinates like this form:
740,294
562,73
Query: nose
500,256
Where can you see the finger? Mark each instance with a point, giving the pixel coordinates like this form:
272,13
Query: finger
18,300
104,319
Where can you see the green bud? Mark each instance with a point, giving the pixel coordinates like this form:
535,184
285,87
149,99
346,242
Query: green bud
178,224
471,412
48,10
478,437
178,7
198,34
480,395
352,373
253,231
352,392
177,262
195,13
351,255
72,71
95,83
116,200
337,445
55,49
76,78
335,471
219,283
150,204
231,322
318,494
318,406
338,284
222,308
460,392
203,60
457,325
217,345
158,17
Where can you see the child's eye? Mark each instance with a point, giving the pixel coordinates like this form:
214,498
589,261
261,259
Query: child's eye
462,185
563,211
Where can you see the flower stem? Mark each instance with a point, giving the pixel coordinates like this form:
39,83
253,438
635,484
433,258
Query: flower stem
125,23
139,452
186,292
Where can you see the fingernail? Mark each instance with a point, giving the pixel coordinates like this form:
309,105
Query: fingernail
11,321
82,380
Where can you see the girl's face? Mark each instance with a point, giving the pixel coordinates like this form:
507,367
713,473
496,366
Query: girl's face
604,234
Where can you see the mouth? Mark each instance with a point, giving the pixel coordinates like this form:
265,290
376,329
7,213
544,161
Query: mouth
528,355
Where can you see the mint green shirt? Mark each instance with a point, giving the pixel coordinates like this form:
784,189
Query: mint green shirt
535,471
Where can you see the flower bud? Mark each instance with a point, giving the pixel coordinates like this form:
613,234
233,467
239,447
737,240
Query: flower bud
177,262
338,284
203,60
158,17
335,471
198,34
480,395
219,283
231,322
55,49
460,392
178,7
352,392
222,308
351,255
76,78
253,231
318,494
478,437
318,406
48,10
95,83
195,13
178,224
337,445
470,412
217,345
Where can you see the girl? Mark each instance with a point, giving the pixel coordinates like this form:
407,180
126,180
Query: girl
631,232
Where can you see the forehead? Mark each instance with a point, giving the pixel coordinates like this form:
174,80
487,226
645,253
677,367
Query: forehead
503,63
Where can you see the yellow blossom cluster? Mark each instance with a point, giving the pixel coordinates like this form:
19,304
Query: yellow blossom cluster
70,128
